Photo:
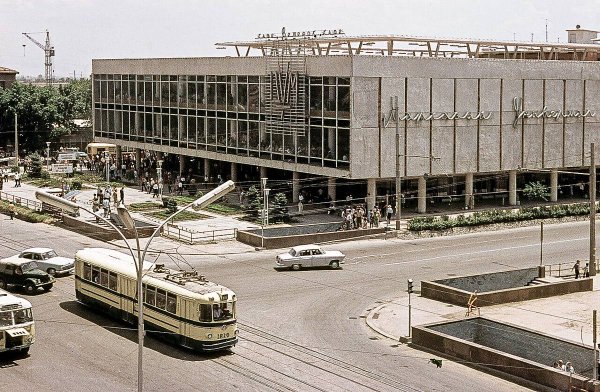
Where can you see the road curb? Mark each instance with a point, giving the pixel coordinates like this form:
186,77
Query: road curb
370,324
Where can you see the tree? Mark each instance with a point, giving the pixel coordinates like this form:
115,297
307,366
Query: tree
34,165
43,113
255,202
536,190
279,212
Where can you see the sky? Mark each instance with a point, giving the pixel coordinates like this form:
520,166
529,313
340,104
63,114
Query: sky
82,30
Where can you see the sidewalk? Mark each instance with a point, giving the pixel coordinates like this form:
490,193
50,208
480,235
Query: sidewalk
568,318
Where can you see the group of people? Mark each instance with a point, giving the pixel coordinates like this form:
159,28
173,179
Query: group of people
567,367
577,269
359,217
102,198
151,186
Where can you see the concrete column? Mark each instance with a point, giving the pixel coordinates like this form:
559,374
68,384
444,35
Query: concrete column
512,187
330,153
138,160
181,164
119,157
469,199
207,169
554,185
422,196
331,189
234,169
371,193
295,186
263,172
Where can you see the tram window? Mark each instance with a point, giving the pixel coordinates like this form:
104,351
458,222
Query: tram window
95,274
23,316
151,295
87,271
171,303
5,319
161,299
112,281
104,277
205,313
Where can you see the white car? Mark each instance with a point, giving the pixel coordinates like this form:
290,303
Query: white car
303,256
46,260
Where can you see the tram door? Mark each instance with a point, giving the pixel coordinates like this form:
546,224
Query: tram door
128,287
186,311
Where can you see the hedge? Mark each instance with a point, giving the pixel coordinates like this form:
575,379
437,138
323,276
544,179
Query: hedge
497,216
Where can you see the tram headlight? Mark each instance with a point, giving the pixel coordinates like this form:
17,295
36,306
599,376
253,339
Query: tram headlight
209,335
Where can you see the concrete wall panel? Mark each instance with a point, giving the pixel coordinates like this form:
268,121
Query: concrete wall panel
489,130
363,141
365,98
391,87
574,137
417,132
592,124
533,133
511,136
442,131
466,130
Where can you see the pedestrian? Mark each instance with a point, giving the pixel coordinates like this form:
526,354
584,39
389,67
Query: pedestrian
586,270
300,204
389,211
569,367
155,190
576,268
561,365
115,197
106,207
96,206
17,178
122,195
180,187
11,211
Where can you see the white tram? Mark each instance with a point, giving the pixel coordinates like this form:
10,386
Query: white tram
184,307
17,328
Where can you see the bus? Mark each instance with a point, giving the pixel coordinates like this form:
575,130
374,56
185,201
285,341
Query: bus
17,329
181,307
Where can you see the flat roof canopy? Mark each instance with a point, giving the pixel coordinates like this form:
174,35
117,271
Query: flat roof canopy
401,45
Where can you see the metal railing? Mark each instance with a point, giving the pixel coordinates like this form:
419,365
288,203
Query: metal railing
194,237
562,270
21,201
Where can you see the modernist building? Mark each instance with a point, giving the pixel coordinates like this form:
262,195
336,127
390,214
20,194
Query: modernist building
471,117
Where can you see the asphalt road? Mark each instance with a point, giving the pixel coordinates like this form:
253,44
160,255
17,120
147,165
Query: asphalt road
300,331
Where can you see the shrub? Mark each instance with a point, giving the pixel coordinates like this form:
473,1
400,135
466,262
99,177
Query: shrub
76,185
170,204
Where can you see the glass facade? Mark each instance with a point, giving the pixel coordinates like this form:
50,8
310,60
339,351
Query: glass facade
223,114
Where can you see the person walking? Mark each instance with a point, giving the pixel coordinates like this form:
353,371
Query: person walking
155,190
300,204
576,268
389,211
122,195
11,211
96,206
115,197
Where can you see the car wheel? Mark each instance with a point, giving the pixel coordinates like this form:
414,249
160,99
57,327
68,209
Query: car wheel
51,271
24,351
47,287
335,264
296,267
30,288
2,284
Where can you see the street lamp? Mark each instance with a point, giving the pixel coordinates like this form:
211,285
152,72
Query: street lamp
159,175
107,164
48,156
129,223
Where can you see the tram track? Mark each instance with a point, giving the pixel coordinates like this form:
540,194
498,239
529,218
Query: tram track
328,360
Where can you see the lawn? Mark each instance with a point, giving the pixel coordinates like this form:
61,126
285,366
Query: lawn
145,206
183,216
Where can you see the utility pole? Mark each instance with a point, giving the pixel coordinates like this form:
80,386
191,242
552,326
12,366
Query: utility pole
398,174
592,210
16,142
594,339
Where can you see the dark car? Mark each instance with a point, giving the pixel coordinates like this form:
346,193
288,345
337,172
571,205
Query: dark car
25,274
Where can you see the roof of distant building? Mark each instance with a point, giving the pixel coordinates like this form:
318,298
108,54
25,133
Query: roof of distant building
7,70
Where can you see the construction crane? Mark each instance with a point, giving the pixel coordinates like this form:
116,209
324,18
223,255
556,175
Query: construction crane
49,53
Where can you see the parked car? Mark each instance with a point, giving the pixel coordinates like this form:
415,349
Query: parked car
24,273
304,256
46,260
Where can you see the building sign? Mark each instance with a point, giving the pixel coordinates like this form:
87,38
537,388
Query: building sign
301,34
285,99
62,168
420,116
545,113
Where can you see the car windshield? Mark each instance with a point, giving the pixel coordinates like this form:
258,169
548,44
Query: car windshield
5,319
29,266
49,255
23,316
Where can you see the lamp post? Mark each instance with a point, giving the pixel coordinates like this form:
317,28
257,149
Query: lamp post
129,223
107,164
16,144
159,175
263,186
47,156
